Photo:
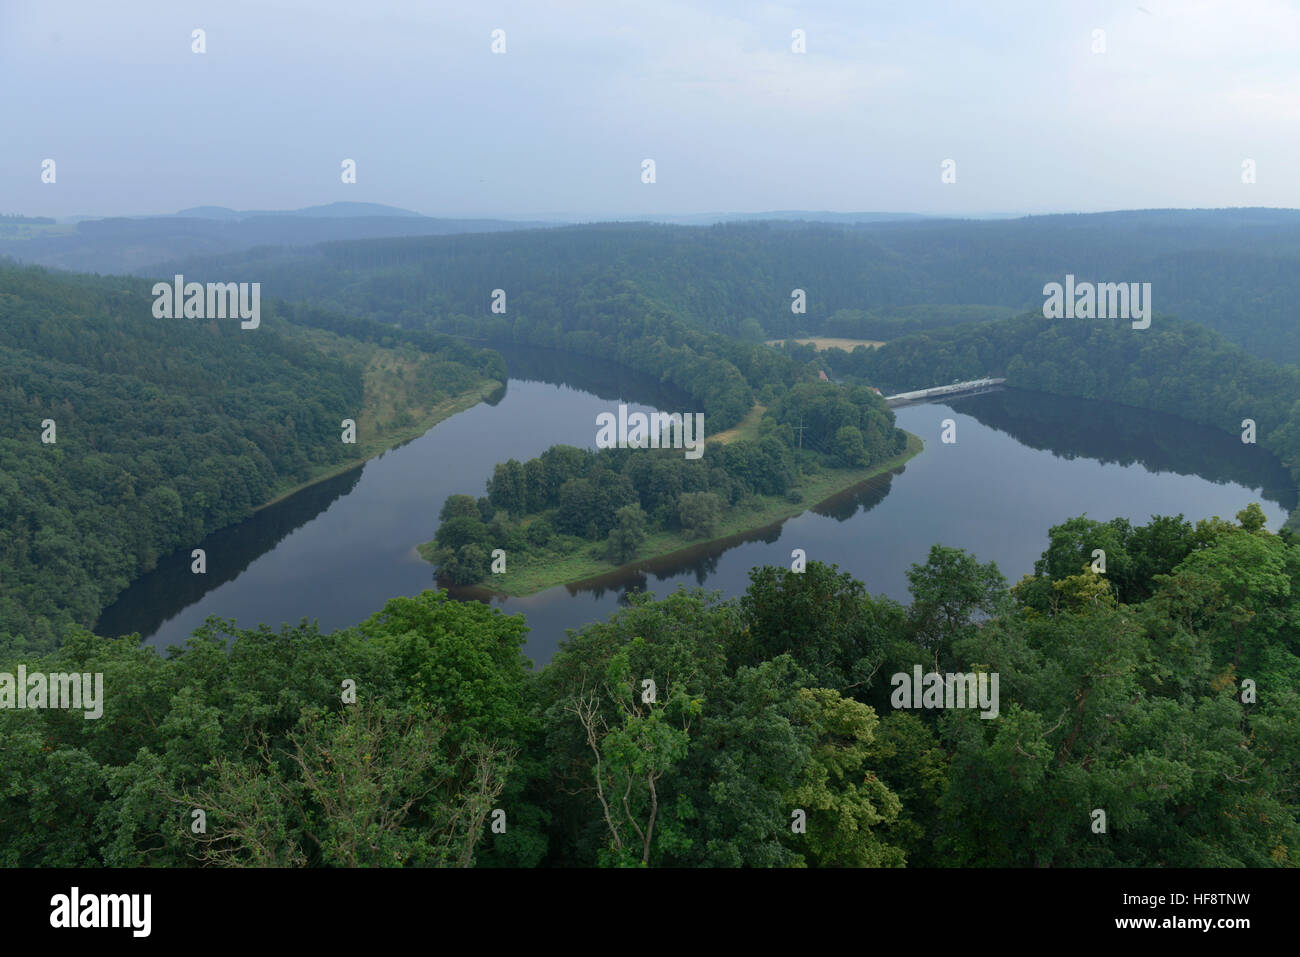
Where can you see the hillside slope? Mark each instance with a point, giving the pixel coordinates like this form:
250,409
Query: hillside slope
123,437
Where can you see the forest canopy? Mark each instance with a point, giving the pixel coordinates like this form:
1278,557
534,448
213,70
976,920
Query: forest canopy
1162,693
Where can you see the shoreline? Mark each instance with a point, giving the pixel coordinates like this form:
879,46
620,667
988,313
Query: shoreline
391,440
774,511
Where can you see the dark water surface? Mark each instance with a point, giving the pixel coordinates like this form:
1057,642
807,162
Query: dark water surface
1022,462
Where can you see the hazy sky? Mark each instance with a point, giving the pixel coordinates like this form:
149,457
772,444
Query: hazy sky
560,123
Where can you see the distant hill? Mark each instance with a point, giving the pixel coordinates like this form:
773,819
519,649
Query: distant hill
205,212
812,216
329,210
124,245
1235,270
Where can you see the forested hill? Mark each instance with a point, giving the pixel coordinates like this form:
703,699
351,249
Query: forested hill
164,430
1235,270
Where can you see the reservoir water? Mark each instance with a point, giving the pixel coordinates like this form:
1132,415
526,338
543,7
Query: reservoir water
1022,463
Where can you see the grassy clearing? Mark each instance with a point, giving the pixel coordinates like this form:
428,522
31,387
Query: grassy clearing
389,414
542,570
746,429
823,343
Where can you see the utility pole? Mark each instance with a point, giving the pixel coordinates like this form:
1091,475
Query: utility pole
798,462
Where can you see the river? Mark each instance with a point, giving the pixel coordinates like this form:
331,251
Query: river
1021,463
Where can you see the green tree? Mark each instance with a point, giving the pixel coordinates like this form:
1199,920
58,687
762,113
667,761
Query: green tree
627,535
751,330
949,592
355,779
847,805
458,506
699,512
823,618
507,489
850,447
631,754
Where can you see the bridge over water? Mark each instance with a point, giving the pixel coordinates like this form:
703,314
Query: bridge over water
974,387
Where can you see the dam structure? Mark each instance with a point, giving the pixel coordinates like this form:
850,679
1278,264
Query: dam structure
973,387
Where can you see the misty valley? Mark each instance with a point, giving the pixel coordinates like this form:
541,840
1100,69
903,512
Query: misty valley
419,573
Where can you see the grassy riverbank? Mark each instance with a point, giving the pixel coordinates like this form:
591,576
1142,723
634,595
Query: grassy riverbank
547,568
390,415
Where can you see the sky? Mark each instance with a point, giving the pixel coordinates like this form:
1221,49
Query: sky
1034,116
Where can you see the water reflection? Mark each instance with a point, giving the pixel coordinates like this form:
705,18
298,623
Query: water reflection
1109,433
172,585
